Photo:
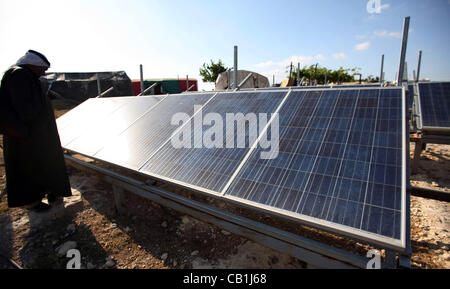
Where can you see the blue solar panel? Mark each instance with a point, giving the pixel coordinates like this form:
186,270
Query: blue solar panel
340,164
340,161
435,104
211,168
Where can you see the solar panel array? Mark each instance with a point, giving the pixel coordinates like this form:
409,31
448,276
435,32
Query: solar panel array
340,161
340,164
434,104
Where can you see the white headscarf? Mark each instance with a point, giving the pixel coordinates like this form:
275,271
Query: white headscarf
33,58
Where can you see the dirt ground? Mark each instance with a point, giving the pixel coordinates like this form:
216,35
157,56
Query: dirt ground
150,236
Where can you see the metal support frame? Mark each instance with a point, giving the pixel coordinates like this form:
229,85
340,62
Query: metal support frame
190,87
99,86
142,78
244,81
382,70
105,92
148,89
419,64
401,68
314,253
187,82
235,67
421,143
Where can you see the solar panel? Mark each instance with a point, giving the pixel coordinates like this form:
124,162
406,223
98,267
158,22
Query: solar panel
434,100
211,168
74,123
133,147
339,166
101,132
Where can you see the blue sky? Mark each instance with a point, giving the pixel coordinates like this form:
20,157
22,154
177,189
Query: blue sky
174,38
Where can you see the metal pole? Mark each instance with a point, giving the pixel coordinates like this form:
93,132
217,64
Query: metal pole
191,87
106,92
298,75
414,76
142,78
382,69
99,87
148,89
244,81
273,81
326,77
405,73
187,82
229,78
419,65
235,66
401,68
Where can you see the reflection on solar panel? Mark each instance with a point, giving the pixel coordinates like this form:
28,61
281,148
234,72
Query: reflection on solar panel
211,168
100,133
339,166
133,147
72,125
435,104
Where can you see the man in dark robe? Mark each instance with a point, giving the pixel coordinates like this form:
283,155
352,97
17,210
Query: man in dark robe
35,164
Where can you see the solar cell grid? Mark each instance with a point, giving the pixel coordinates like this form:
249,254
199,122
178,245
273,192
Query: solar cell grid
343,164
211,168
435,104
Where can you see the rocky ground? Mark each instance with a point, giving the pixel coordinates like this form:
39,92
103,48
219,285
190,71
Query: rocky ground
154,237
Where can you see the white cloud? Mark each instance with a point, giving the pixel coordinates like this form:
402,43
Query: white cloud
320,57
385,6
363,36
362,46
384,33
340,56
304,60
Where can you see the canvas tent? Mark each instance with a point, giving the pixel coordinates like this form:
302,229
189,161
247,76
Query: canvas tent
81,86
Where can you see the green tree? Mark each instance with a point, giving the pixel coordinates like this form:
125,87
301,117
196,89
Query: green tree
210,72
316,73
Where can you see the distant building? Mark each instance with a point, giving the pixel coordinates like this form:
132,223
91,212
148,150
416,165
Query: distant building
165,85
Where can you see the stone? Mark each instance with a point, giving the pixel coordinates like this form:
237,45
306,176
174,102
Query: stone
194,253
71,228
175,263
127,229
164,224
90,266
62,250
110,263
164,256
226,233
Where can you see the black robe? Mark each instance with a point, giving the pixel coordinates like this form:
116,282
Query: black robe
34,166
